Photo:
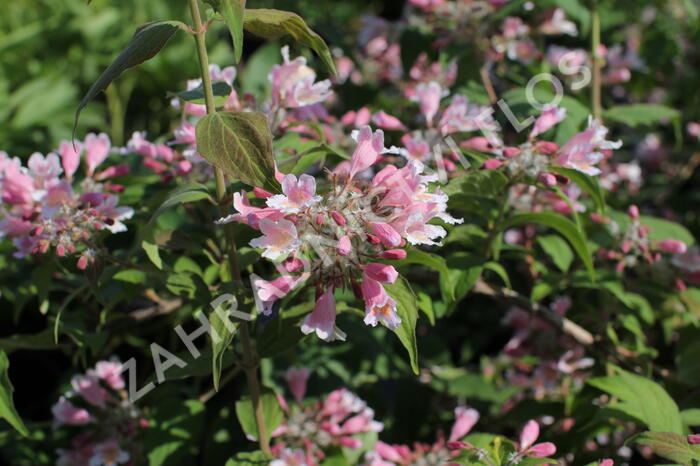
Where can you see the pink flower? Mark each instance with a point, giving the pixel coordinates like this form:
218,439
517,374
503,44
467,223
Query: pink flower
64,412
386,121
89,388
293,83
582,151
109,454
381,272
379,306
694,439
296,378
558,24
97,149
461,116
270,291
527,445
369,147
672,246
428,97
110,372
70,157
297,194
464,421
694,129
550,116
280,238
322,319
606,462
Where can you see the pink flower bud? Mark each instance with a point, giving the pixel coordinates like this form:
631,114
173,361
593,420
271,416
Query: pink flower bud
372,239
296,378
83,262
492,164
344,246
547,147
394,254
542,450
511,152
338,218
694,439
633,212
386,234
548,179
319,219
112,172
60,250
381,272
672,246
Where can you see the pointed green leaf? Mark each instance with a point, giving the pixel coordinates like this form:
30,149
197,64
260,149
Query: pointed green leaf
670,446
272,413
7,406
408,312
274,23
643,399
148,40
221,91
239,143
190,192
232,11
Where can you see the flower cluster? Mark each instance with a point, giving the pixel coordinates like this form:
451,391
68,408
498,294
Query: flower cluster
311,429
107,423
337,239
44,206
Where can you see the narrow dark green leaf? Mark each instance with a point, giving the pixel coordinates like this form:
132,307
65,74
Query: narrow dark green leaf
239,143
221,91
640,114
274,23
408,312
190,192
148,40
232,11
7,406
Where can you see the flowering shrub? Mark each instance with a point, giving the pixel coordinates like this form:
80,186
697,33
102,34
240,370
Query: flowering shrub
464,233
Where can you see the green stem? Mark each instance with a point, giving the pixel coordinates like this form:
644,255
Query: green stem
250,358
597,63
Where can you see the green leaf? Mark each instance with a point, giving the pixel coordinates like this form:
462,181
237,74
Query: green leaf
240,143
274,23
148,40
662,229
640,114
587,183
272,413
643,399
132,276
406,308
687,363
220,346
190,192
670,446
251,458
435,262
691,417
558,250
562,225
232,11
221,91
7,406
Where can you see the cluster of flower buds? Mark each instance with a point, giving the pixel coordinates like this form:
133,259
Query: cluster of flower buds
310,429
636,247
105,423
44,206
338,239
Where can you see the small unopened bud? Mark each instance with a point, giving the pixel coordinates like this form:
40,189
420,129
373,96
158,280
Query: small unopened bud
372,239
672,246
319,219
37,231
261,193
394,254
548,179
492,164
633,212
83,262
60,250
338,218
511,152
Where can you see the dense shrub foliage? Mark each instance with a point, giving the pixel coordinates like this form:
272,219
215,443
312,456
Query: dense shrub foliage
350,233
